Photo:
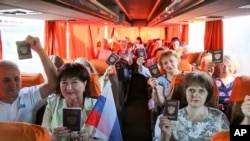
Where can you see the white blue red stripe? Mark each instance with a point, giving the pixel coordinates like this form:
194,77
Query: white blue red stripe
104,117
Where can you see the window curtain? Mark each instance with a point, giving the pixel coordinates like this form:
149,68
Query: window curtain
213,38
80,42
95,34
145,33
55,38
180,31
91,43
1,47
101,33
131,32
149,33
184,35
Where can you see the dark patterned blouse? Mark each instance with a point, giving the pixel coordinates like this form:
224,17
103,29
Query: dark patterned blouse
224,90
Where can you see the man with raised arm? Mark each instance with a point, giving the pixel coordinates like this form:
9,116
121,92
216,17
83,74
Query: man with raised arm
19,104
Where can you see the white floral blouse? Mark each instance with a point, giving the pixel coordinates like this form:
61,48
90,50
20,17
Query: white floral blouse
186,130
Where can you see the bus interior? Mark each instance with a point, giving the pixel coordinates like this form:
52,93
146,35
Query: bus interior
148,19
63,24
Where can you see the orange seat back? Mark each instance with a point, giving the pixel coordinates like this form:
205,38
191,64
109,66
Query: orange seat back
31,79
241,88
184,65
68,60
192,57
176,93
221,136
20,131
94,86
100,66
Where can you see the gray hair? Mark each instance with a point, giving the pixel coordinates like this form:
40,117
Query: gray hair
231,60
57,60
85,63
8,63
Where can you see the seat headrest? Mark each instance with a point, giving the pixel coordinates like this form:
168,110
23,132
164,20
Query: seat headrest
31,79
100,65
20,131
241,88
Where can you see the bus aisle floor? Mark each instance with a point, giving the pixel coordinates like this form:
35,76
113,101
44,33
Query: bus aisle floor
136,116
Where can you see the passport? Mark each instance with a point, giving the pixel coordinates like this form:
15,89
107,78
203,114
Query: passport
171,109
141,53
113,59
72,118
23,50
154,71
217,56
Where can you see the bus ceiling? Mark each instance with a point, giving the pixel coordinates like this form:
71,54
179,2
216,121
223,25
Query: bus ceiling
136,13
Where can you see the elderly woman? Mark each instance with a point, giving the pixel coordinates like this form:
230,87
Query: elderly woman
224,76
74,85
196,121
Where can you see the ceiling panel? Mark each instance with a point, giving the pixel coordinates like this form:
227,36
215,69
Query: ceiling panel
138,9
50,11
134,10
218,8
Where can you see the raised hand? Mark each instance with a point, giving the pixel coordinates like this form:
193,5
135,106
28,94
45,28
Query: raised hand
140,61
245,107
34,42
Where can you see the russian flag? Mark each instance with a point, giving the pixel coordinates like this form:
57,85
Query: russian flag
104,117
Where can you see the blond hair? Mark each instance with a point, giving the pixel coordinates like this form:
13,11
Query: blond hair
165,54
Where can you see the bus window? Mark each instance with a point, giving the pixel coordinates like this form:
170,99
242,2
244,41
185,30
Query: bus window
16,29
236,41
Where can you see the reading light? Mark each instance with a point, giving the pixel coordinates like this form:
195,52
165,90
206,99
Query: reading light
245,6
18,12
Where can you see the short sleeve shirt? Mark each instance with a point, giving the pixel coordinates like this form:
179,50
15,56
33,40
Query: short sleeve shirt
163,81
24,108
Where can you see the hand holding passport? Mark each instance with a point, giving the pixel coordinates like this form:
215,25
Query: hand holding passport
113,59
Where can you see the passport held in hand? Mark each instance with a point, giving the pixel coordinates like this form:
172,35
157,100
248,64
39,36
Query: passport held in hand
217,56
154,71
113,59
171,109
23,50
72,118
141,53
